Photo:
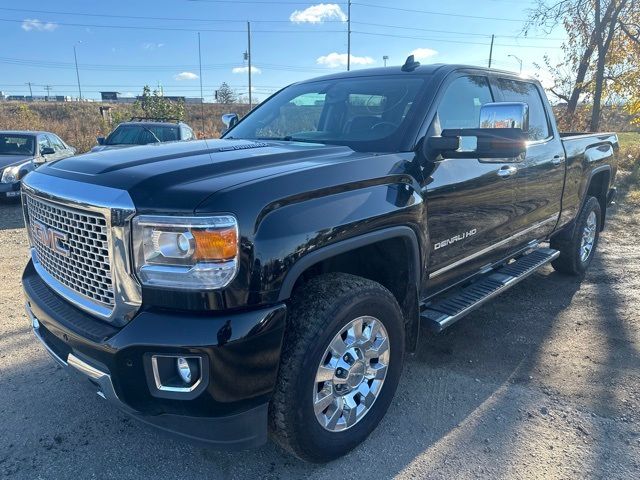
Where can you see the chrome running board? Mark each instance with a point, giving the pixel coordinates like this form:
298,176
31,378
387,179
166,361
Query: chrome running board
442,313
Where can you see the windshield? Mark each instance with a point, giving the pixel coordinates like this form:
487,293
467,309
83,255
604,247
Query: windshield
16,144
366,113
142,135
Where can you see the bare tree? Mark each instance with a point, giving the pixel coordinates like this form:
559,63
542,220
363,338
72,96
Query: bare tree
225,94
592,26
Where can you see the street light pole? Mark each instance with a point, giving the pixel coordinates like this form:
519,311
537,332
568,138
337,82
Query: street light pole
75,57
519,61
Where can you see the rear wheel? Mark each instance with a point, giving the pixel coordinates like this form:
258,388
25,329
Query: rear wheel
577,252
340,366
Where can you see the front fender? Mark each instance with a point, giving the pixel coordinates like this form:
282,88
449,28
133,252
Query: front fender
294,237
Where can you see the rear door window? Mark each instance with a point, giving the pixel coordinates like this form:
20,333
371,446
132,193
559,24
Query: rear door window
525,92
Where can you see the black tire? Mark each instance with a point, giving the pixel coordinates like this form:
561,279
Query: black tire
570,261
318,312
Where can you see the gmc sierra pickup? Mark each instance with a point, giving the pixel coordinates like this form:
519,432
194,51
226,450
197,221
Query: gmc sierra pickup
271,281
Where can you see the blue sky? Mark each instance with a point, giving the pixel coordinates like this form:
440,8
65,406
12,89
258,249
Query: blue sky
290,41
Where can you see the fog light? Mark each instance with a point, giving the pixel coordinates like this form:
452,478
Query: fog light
176,376
184,369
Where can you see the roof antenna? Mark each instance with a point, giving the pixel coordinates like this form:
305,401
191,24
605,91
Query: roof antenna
410,65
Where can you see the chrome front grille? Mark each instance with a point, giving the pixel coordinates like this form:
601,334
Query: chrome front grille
72,245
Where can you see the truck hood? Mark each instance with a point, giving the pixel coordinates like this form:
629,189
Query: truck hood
6,160
177,177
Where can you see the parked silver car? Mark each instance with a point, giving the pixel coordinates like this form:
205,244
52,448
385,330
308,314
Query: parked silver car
22,152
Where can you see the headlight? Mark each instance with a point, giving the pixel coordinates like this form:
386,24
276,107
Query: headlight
188,253
11,174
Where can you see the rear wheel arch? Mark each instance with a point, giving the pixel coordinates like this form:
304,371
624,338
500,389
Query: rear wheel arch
598,187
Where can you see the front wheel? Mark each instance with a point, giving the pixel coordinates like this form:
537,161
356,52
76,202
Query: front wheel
577,252
340,366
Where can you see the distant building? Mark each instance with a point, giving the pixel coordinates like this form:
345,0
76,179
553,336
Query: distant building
35,98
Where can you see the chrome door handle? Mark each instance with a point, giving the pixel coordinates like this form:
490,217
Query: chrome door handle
558,160
507,171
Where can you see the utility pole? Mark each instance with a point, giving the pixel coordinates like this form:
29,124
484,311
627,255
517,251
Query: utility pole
201,91
75,57
348,35
48,88
30,90
491,50
384,59
249,62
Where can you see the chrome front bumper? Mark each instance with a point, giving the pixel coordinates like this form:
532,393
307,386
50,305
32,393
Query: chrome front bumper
77,366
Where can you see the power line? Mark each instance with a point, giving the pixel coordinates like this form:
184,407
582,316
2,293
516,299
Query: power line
139,17
176,29
268,2
453,41
486,35
459,15
150,68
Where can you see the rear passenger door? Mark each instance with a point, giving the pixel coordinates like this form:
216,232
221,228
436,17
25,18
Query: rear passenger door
540,177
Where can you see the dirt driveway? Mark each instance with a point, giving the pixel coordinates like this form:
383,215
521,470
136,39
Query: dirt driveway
542,383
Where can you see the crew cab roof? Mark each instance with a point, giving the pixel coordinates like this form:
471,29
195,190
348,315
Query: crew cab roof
421,71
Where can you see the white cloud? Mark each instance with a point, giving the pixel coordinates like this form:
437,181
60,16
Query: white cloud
34,24
186,76
335,60
319,13
254,70
152,45
423,53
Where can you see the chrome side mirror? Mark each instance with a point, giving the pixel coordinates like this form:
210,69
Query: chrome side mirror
505,115
230,120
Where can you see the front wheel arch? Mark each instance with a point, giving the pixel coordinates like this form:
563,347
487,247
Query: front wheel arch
390,257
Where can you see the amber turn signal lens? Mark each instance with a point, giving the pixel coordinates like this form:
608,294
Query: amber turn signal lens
215,244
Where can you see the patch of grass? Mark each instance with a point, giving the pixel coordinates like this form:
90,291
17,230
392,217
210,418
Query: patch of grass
633,198
79,124
629,155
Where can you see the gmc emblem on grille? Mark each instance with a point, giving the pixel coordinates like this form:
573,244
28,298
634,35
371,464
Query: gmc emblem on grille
48,237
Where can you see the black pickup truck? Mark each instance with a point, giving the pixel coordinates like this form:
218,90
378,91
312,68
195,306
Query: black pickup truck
271,281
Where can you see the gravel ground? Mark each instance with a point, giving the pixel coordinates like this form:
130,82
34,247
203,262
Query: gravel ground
543,382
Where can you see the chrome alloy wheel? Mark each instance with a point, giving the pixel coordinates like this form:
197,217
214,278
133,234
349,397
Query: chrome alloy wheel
351,374
588,237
